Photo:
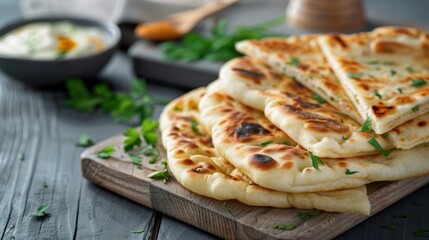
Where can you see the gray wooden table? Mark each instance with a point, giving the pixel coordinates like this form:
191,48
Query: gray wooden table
34,123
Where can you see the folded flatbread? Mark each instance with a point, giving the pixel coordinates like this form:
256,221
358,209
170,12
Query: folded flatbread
384,72
301,57
301,114
196,165
247,139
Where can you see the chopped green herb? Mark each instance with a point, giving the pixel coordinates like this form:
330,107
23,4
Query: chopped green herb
177,109
194,128
392,72
132,139
354,75
227,209
288,227
315,160
377,94
341,120
409,69
350,172
41,212
418,82
318,98
388,63
264,144
415,108
136,160
294,61
149,131
378,147
399,216
61,55
161,175
21,157
366,126
286,143
389,49
138,230
85,141
399,90
151,151
306,215
373,62
106,152
45,184
424,233
389,227
344,138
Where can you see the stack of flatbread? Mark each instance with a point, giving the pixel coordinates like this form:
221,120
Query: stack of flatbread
306,121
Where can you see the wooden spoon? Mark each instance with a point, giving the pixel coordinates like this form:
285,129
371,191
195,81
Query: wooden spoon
178,24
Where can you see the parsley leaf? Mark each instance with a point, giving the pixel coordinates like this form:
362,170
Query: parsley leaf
136,160
161,175
366,126
409,69
350,172
45,184
149,131
389,227
106,152
288,227
418,82
286,143
306,215
41,212
132,139
85,141
415,108
378,147
315,160
318,98
392,72
354,75
373,62
138,230
399,90
266,143
21,157
194,128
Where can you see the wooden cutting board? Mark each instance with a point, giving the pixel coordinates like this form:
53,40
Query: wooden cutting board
119,175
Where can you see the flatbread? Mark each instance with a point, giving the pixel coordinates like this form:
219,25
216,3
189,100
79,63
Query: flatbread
240,135
315,125
301,58
411,133
385,72
195,164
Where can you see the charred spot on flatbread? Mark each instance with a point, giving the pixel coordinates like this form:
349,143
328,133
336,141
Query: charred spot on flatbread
262,161
382,111
301,103
247,129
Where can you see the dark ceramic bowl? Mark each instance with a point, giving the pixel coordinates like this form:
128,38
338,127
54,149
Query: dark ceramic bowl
41,73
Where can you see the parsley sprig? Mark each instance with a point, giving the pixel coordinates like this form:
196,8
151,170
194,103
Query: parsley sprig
315,160
120,105
41,212
106,152
288,227
219,45
161,175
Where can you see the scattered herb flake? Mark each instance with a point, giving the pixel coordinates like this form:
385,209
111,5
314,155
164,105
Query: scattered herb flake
399,216
84,141
294,61
366,126
227,209
416,204
286,143
373,62
288,227
377,94
399,90
409,69
350,172
161,175
388,63
266,143
106,152
378,147
21,157
194,128
41,212
415,108
315,160
306,215
138,230
389,227
354,75
45,184
424,233
136,160
418,82
318,98
392,72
